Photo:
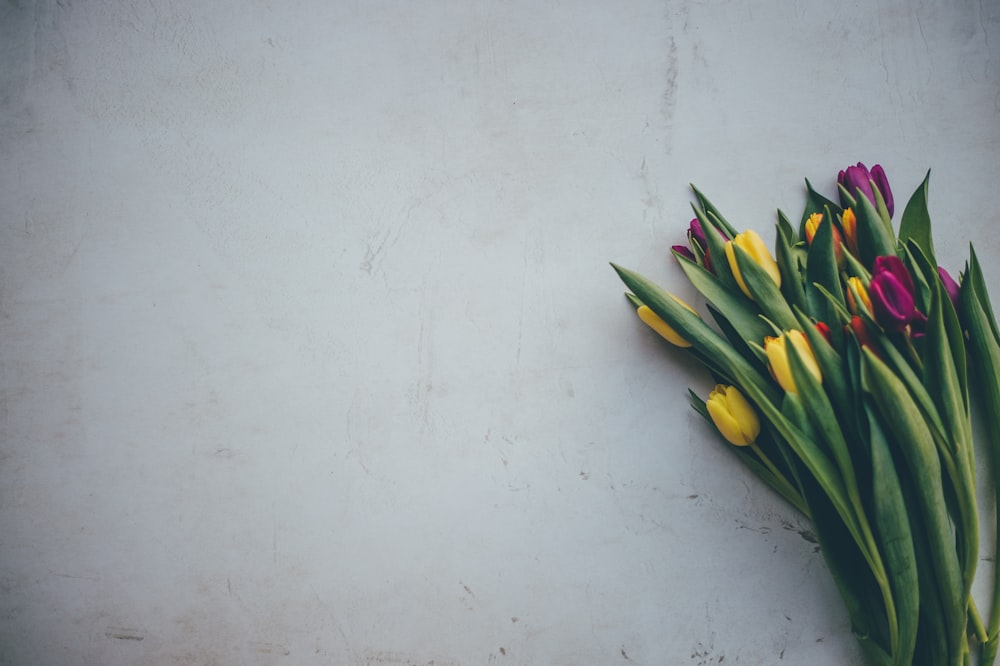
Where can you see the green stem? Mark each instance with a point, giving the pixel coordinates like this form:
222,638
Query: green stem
976,621
787,491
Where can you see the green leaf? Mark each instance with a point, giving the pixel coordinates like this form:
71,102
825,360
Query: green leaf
741,313
826,426
977,284
854,580
821,269
830,364
854,268
916,221
749,350
944,353
984,364
815,203
708,207
919,451
692,328
711,225
892,525
838,309
946,382
874,240
765,292
791,258
921,283
881,207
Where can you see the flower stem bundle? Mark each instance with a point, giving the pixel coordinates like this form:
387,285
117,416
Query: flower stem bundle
848,369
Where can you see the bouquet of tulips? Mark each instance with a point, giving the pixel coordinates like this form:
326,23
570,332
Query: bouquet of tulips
850,369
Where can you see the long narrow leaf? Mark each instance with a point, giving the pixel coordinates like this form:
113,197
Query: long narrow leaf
916,222
892,524
739,311
766,293
903,417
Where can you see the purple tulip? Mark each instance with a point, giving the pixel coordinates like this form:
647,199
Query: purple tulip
860,178
697,234
892,295
950,285
684,251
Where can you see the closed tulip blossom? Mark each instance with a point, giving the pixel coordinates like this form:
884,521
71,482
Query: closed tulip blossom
892,295
849,222
776,350
860,331
859,179
697,234
751,243
812,226
684,251
824,330
697,240
733,415
950,286
854,304
665,330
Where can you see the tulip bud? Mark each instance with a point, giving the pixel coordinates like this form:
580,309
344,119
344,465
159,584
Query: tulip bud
733,415
849,221
751,243
812,225
882,183
696,238
684,251
855,285
892,294
696,234
950,286
824,330
667,332
861,334
857,179
777,357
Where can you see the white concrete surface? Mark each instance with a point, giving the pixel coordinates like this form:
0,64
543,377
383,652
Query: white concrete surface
311,353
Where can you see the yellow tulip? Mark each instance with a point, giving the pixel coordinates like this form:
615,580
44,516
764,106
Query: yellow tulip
667,332
732,415
862,292
777,356
812,224
849,221
751,243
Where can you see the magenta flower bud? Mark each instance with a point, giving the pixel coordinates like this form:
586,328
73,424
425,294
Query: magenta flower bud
950,285
859,178
684,251
882,183
892,295
893,264
697,234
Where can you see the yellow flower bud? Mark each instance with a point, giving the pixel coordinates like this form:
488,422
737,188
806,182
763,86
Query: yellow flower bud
667,332
751,243
812,224
849,221
777,357
733,416
859,287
